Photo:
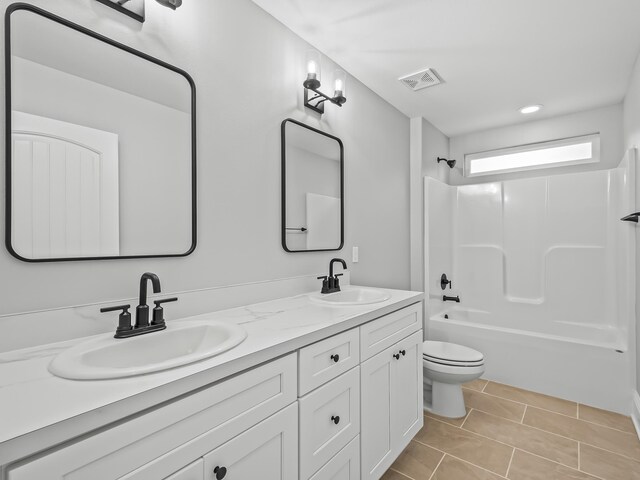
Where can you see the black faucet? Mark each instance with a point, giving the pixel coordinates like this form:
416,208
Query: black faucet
331,284
142,311
451,299
142,324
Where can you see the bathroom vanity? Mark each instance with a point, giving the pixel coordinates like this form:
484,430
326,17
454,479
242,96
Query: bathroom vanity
316,391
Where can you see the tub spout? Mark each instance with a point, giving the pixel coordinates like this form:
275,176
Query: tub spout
451,299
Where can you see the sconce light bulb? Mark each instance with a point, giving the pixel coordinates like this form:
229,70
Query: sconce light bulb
338,85
311,67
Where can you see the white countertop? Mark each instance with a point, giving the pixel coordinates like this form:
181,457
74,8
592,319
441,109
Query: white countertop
39,410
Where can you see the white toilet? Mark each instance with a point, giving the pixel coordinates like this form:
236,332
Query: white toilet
446,367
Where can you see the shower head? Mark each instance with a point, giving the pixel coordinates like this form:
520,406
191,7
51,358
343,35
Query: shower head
172,4
451,163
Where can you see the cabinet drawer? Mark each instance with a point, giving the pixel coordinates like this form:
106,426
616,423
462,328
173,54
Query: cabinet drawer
329,420
344,466
159,443
383,332
327,359
268,451
195,471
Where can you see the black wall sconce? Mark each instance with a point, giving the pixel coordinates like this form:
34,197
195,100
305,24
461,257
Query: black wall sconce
135,8
451,163
131,8
313,97
172,4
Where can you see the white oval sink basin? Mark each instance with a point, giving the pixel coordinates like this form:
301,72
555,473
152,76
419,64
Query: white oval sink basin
351,296
180,344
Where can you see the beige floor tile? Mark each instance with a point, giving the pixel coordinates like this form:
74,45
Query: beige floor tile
541,443
608,465
393,475
454,469
466,445
608,419
531,398
590,433
417,461
494,405
456,422
525,466
477,384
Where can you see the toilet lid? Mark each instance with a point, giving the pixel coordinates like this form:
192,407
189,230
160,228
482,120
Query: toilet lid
450,352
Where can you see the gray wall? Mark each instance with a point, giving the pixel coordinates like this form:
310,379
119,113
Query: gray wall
248,69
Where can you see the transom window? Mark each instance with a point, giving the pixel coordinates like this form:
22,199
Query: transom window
555,153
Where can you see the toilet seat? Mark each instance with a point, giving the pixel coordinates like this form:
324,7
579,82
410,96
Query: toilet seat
450,354
452,363
454,371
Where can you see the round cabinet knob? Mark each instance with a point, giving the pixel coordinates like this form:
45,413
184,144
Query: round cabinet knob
335,358
403,352
396,356
220,472
335,419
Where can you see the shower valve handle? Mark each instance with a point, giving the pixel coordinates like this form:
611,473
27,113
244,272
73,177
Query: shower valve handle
444,281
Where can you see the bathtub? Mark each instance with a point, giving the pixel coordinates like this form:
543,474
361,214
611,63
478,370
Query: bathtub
589,366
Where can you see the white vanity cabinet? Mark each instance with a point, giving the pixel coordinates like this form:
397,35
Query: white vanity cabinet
158,444
391,408
385,407
342,408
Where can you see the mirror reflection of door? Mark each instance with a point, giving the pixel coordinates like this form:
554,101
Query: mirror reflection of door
313,164
64,189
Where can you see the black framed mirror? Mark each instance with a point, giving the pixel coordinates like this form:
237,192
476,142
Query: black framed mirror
101,145
312,189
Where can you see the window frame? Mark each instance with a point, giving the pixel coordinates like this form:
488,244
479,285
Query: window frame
593,138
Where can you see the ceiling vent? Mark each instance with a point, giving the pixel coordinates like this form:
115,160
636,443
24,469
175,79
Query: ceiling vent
423,79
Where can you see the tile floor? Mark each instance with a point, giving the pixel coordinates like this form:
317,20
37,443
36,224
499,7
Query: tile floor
521,435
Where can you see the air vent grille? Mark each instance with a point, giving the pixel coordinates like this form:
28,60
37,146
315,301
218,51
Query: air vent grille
422,79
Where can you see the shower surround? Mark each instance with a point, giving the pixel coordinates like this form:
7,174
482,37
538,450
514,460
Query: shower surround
545,272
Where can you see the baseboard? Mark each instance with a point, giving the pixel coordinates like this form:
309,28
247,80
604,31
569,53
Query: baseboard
635,414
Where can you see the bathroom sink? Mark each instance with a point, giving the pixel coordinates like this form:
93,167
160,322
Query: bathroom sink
181,343
351,296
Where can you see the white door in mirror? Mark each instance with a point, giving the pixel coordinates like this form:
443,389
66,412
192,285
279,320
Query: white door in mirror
104,357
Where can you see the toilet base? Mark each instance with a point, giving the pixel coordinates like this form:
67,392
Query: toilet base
446,400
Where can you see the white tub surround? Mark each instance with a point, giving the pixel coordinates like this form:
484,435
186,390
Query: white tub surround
545,273
39,410
635,415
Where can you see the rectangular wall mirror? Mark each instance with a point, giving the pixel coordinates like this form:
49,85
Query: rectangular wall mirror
101,155
312,189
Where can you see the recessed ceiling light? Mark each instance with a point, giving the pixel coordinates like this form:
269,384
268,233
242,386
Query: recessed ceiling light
530,109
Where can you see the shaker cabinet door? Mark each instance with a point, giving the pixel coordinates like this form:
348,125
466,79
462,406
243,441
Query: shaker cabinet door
391,386
376,415
408,416
268,451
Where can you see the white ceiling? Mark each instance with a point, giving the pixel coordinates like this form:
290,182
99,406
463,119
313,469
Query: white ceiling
494,55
